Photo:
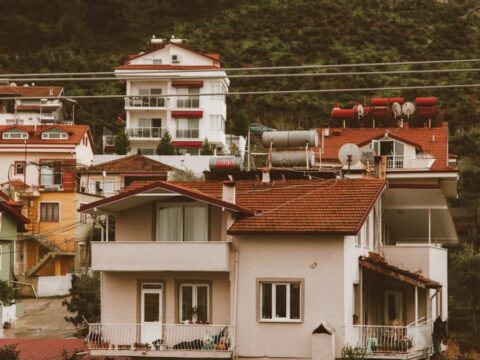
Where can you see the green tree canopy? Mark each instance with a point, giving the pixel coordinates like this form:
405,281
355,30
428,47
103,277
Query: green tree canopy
165,147
206,148
122,143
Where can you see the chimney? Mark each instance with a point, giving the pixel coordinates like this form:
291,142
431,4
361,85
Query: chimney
228,191
378,167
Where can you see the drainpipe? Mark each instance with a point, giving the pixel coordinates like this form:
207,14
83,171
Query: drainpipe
235,301
26,284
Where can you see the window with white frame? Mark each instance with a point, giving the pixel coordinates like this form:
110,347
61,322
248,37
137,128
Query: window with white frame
188,97
194,303
280,301
15,134
83,216
217,122
50,211
218,89
183,223
54,135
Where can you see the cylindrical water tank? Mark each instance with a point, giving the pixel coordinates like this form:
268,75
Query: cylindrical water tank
292,158
286,139
426,101
379,102
338,113
225,163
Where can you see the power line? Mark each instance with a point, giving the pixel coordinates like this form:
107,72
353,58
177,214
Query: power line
248,76
289,67
260,92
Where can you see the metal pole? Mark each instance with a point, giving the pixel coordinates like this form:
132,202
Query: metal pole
249,150
429,227
416,305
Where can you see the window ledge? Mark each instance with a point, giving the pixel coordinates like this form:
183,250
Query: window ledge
280,321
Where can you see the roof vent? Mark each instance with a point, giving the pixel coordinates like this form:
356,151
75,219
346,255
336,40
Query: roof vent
175,59
265,176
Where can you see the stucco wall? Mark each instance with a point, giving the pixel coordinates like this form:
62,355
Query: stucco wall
135,224
120,295
316,260
8,234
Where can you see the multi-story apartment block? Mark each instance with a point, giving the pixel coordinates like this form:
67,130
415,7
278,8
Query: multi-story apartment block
164,88
38,167
27,107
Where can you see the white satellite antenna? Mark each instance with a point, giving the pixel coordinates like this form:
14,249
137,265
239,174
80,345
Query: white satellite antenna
349,155
360,110
396,110
408,109
368,156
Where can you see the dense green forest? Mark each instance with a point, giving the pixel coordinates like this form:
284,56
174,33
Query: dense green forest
92,35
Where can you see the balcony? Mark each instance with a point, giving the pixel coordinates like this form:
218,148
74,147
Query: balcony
140,102
161,256
190,102
420,161
384,342
146,132
188,133
161,340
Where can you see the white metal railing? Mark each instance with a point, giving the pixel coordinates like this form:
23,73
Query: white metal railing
145,101
188,133
188,102
393,340
160,337
395,161
146,132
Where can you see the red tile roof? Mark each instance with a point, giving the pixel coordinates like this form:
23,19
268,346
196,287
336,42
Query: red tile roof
215,57
31,91
46,349
419,137
76,133
132,164
166,67
292,206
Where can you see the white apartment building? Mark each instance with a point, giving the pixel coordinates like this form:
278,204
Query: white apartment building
29,111
172,68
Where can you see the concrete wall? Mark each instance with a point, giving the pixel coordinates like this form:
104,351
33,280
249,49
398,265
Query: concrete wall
8,235
319,262
135,224
120,295
54,285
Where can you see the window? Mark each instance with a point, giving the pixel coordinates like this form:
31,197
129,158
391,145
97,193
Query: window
183,223
157,61
218,88
188,128
189,98
393,307
280,301
15,135
194,303
19,167
54,135
146,151
49,211
51,173
217,122
108,186
83,218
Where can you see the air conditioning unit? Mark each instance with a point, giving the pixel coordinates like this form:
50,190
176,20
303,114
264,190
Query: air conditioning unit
175,59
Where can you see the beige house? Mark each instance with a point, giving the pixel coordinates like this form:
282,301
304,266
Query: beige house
252,268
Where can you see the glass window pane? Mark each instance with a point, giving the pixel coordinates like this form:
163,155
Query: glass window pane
152,286
151,307
281,301
186,302
170,224
266,301
196,223
144,123
295,301
202,303
156,91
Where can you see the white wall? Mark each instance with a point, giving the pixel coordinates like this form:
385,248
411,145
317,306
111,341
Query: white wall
54,285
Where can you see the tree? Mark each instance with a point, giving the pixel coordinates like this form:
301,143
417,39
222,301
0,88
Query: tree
206,148
240,123
85,300
7,293
165,147
122,143
9,352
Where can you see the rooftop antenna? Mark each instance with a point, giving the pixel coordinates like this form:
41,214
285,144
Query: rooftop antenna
349,155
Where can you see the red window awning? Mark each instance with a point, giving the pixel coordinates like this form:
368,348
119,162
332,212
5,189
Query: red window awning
187,114
188,84
188,144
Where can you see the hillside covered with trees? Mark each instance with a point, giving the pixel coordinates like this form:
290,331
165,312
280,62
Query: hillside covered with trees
91,35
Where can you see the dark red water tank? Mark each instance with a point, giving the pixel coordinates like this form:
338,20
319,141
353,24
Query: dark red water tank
338,113
379,101
380,111
397,99
426,101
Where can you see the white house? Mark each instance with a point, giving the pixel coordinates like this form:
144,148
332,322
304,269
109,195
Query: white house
164,88
20,110
251,268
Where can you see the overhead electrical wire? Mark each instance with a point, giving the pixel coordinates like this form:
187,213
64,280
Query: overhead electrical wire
259,92
258,68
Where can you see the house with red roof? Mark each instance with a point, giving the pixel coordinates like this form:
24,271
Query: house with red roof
164,88
30,105
38,165
290,268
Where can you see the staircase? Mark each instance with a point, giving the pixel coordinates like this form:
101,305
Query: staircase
39,264
32,216
53,250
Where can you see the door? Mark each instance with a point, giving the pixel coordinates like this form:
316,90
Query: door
393,310
151,312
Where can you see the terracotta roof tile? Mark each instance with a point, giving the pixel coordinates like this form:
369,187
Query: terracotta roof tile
132,164
423,137
31,91
46,349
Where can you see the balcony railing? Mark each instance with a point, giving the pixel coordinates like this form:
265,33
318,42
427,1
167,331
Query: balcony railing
145,101
188,133
395,162
146,132
387,341
153,338
188,102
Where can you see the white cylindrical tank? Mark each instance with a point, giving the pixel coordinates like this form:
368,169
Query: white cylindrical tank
292,158
225,163
286,139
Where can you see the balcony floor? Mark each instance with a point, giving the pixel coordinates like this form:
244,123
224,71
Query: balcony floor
190,354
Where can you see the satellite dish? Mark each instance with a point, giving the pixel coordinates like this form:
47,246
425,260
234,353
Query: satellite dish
396,109
349,155
359,110
408,109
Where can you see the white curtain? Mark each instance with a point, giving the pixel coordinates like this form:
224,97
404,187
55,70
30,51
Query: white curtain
170,221
196,223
